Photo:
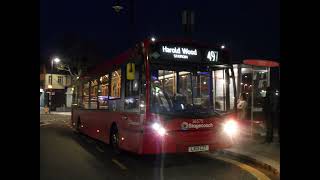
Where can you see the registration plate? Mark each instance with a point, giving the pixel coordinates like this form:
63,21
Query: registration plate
198,148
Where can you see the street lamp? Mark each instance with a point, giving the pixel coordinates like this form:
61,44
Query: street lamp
56,60
117,7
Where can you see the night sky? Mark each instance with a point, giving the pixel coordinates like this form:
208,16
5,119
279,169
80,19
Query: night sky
250,28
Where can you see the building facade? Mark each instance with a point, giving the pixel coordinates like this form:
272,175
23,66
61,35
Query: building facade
55,88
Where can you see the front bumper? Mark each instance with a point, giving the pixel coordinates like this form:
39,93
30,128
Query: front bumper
179,141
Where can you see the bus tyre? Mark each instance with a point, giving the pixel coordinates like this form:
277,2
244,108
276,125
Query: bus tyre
114,139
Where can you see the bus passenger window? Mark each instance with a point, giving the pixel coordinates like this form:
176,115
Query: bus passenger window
132,91
116,84
85,98
103,92
93,94
132,86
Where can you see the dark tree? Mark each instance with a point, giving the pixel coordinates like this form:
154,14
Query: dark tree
77,54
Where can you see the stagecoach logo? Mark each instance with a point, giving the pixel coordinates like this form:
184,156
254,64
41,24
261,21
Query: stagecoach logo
186,125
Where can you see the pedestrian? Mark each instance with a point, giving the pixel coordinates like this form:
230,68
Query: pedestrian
269,112
242,106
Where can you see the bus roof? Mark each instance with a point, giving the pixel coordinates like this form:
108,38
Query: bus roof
107,65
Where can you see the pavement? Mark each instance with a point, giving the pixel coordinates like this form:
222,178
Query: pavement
61,113
55,112
251,149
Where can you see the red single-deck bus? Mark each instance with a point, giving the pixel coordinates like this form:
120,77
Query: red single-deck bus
163,96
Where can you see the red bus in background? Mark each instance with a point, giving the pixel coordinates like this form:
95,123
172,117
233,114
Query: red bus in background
159,97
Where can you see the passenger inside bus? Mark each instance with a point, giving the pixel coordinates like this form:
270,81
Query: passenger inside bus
193,95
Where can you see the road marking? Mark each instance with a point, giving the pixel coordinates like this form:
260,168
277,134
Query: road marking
258,174
99,149
123,167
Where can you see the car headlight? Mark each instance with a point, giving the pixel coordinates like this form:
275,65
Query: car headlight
230,127
159,129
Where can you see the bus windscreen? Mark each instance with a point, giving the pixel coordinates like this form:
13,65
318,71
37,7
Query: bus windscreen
181,92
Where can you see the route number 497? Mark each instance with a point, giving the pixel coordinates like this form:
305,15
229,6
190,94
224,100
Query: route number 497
212,56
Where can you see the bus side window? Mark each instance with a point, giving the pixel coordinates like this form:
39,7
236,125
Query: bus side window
103,92
85,97
116,84
93,94
132,84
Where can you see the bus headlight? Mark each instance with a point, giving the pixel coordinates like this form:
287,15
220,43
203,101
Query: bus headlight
159,129
230,127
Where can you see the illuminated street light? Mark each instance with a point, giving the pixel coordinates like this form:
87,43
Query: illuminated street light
153,39
56,60
117,7
223,46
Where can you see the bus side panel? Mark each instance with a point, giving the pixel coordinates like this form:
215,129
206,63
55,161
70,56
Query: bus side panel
104,122
86,129
97,124
131,132
127,137
94,120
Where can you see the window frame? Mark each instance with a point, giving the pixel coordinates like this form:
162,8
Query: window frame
91,88
60,80
83,96
50,79
110,87
138,66
108,91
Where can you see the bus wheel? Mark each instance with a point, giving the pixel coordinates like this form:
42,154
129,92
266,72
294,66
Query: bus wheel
114,139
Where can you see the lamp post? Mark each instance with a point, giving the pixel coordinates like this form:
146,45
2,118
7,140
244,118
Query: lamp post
56,60
118,7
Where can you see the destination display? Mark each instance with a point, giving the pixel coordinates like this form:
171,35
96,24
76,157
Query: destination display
183,53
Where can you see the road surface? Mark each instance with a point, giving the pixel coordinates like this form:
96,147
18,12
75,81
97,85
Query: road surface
67,155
